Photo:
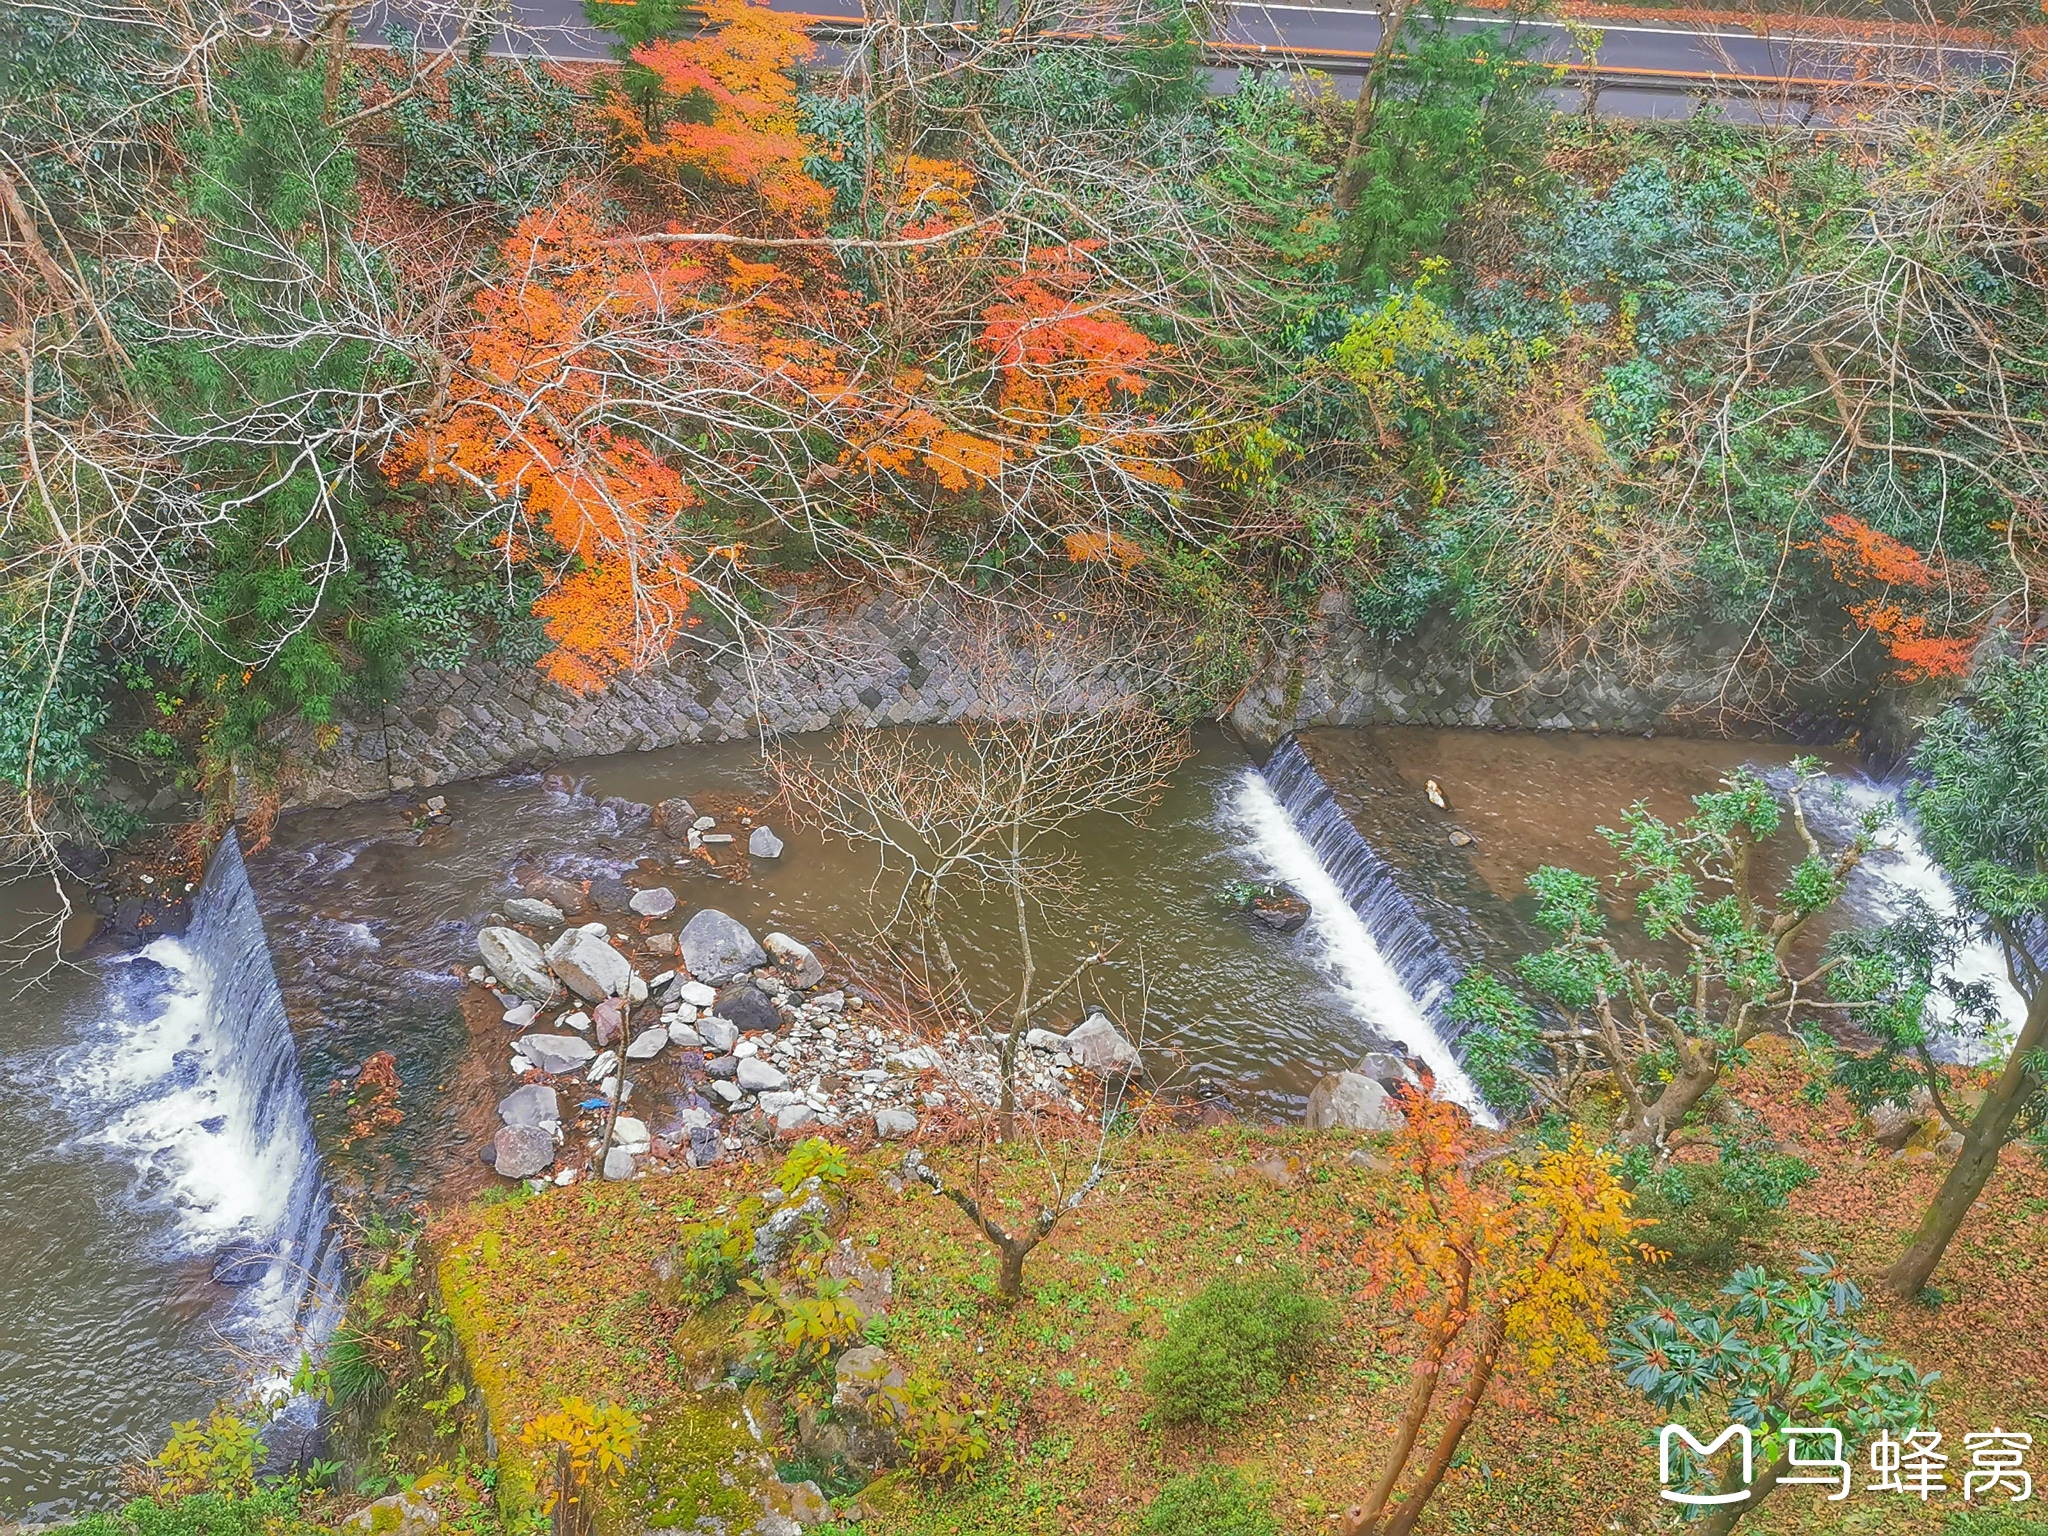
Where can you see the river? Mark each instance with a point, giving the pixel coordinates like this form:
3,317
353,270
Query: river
157,1115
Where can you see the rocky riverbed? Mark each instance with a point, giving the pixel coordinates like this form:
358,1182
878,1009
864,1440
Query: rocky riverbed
663,1039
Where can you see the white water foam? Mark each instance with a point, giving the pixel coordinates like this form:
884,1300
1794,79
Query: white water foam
1344,947
1881,890
173,1103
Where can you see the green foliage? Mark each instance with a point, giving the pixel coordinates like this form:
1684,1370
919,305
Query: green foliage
1702,1213
1499,1034
1766,1353
1980,790
219,1455
814,1158
1454,109
1992,1523
263,1512
791,1337
945,1432
1233,1347
1216,1501
710,1261
505,135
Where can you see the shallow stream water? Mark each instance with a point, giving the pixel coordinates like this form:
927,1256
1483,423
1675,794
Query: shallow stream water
146,1129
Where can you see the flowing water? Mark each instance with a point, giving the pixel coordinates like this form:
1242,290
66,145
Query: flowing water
163,1221
180,1110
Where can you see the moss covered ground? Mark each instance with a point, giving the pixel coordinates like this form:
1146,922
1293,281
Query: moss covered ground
557,1294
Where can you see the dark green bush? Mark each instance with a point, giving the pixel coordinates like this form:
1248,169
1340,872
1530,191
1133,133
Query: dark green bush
1704,1212
1233,1347
268,1510
1212,1502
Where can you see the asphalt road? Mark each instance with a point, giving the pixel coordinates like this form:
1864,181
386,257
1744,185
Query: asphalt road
1641,68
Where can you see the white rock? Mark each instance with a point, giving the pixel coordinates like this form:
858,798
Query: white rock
620,1164
799,965
478,974
595,930
1100,1046
795,1117
919,1058
717,947
725,1090
894,1124
521,1016
681,1013
646,1045
720,1034
578,1021
636,990
756,1076
631,1134
696,994
745,1048
607,1063
703,823
517,962
1043,1040
662,980
683,1035
763,844
1352,1101
720,838
591,967
656,901
781,1099
555,1054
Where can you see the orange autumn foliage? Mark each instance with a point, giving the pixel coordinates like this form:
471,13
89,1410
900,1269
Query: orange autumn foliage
739,65
1067,359
1095,547
1862,557
1521,1269
531,422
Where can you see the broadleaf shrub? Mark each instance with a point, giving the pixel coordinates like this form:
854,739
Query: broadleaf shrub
1213,1502
1233,1347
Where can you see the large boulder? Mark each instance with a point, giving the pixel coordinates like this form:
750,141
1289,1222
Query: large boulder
534,912
536,1104
797,963
717,948
566,895
747,1008
517,962
1388,1070
867,1412
555,1054
521,1151
672,817
1100,1046
1352,1101
655,901
591,967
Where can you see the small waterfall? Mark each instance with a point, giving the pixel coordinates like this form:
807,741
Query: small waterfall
196,1077
1408,943
1371,941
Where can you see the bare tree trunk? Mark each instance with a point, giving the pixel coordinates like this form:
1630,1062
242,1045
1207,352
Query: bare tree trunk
1989,1130
1392,20
1460,1420
1427,1372
1666,1113
336,56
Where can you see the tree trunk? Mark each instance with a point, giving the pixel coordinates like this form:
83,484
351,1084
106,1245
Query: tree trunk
1427,1372
1392,20
1666,1113
1725,1516
1010,1277
1986,1138
1454,1430
337,55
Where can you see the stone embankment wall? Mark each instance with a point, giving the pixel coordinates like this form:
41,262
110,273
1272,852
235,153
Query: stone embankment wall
1339,674
883,658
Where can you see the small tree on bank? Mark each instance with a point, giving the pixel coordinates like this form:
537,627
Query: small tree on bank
1664,1021
1518,1268
1980,792
1783,1360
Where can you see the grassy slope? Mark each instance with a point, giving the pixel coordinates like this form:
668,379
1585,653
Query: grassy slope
555,1296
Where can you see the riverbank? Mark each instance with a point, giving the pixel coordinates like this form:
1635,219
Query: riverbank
577,1293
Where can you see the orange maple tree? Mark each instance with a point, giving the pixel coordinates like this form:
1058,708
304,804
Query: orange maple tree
1863,557
534,421
1067,359
733,118
1522,1267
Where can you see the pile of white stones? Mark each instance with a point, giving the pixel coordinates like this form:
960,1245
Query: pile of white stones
832,1063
